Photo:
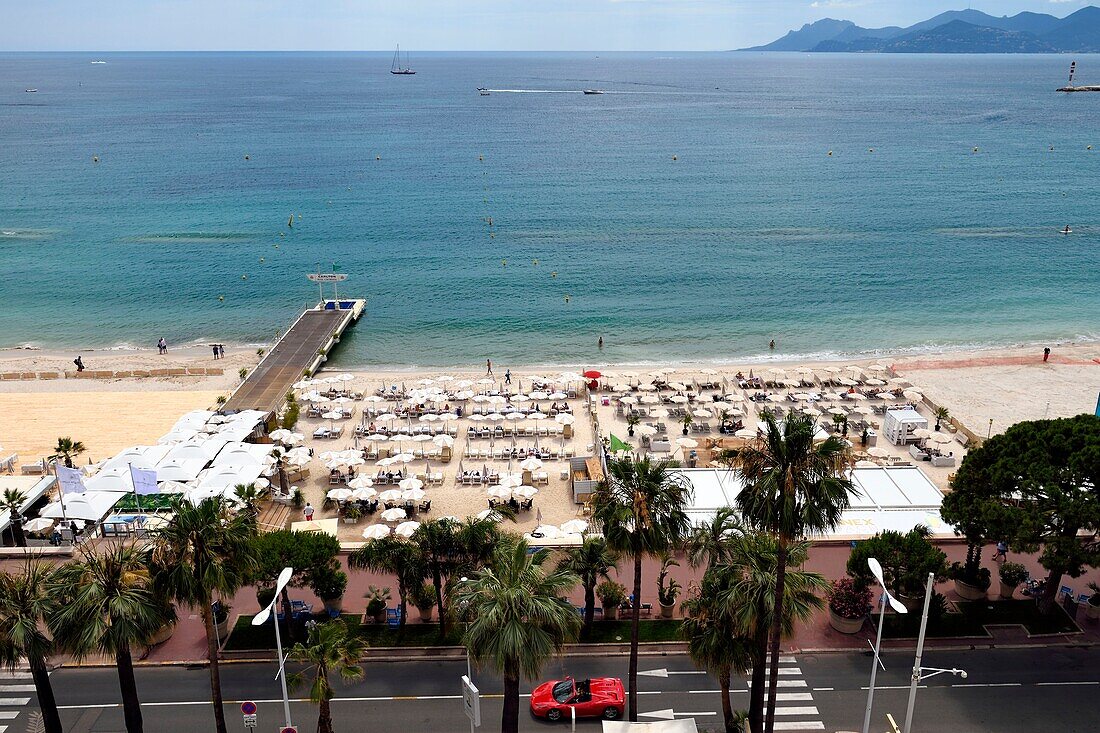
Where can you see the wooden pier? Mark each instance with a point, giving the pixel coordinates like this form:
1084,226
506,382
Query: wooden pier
300,351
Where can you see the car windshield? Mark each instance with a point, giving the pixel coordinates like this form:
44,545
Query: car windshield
563,691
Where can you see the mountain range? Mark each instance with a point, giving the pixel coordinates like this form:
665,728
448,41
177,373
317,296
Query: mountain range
956,31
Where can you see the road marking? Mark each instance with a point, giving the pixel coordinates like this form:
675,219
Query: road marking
14,701
790,670
662,672
16,688
823,689
988,684
1054,684
788,683
794,725
896,687
670,714
805,710
9,714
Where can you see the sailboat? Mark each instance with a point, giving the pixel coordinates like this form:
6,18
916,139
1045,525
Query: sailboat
1074,88
397,68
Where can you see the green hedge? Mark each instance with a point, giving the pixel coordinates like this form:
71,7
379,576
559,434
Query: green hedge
973,616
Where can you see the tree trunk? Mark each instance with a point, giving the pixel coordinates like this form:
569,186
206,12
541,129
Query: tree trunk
324,716
1049,599
403,603
288,625
127,685
589,606
636,615
215,672
51,720
17,535
776,632
509,719
437,581
759,671
727,707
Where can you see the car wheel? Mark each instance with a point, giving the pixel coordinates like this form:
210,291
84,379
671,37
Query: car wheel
610,713
553,714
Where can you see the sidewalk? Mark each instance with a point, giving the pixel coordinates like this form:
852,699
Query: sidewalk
188,643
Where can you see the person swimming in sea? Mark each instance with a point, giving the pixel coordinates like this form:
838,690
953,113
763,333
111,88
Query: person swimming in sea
772,345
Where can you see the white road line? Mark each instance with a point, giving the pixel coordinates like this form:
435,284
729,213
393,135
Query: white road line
988,684
1056,684
795,725
790,670
805,710
823,689
16,688
896,687
793,697
14,701
789,683
9,714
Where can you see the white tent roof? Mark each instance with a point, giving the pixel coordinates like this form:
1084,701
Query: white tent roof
111,479
182,470
140,456
907,415
33,487
93,506
193,420
229,476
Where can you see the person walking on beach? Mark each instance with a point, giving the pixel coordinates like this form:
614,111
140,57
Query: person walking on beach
1002,551
488,367
79,364
214,347
507,376
162,346
1046,354
308,512
221,351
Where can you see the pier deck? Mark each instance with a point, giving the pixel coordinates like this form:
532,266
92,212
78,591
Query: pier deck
294,354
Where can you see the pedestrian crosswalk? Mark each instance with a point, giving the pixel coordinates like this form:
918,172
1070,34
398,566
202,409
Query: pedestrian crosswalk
794,710
14,697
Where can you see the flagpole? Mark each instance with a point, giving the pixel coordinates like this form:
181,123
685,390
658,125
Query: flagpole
137,497
60,494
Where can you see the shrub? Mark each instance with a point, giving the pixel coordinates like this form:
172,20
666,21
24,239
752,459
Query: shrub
377,599
981,579
243,372
264,596
666,593
423,596
849,599
297,500
906,560
260,352
222,399
290,417
329,584
611,594
1013,573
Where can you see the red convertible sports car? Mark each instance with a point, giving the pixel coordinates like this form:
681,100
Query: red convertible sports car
602,697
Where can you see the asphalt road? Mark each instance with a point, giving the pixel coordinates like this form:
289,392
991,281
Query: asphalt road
1005,691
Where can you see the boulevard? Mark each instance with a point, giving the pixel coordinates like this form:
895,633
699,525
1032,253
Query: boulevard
1006,690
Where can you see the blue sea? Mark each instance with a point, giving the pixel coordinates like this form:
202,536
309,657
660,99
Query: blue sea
691,213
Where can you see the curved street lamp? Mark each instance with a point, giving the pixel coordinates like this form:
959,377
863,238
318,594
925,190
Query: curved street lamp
261,618
884,599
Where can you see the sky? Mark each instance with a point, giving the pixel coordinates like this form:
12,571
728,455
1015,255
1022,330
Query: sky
449,25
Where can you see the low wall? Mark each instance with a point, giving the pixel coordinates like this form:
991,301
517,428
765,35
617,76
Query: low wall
107,374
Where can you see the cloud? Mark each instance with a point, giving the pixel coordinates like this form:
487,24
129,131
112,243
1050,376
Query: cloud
827,4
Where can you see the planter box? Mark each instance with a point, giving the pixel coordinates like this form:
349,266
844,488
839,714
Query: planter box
1007,590
334,604
667,611
970,592
610,613
1092,612
845,625
426,614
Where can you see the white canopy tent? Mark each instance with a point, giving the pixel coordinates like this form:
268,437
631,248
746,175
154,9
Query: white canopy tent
898,425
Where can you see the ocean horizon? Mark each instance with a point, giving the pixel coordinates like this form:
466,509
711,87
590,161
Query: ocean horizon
691,213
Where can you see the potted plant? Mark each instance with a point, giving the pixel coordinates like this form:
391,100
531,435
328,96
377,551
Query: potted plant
1092,605
423,597
329,587
264,595
849,604
971,585
164,633
377,602
941,414
667,592
631,421
612,595
687,421
1012,574
297,500
221,611
352,513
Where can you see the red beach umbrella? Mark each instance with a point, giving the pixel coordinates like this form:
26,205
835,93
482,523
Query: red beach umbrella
592,374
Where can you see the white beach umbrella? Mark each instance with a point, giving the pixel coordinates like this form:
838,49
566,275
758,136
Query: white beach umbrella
390,495
856,396
341,401
649,399
701,413
376,532
776,398
645,430
511,480
547,531
494,417
620,388
838,411
557,396
515,416
375,437
406,529
340,494
678,399
364,494
647,387
677,386
687,443
519,399
443,441
447,416
428,417
565,418
38,524
940,438
540,395
393,515
628,400
413,494
411,483
866,464
877,368
490,515
531,464
746,433
878,452
921,433
912,395
525,492
574,526
658,412
498,491
875,382
886,396
332,415
387,416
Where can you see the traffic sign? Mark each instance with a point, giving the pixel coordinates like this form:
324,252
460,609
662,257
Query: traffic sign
327,277
471,702
248,708
290,729
249,721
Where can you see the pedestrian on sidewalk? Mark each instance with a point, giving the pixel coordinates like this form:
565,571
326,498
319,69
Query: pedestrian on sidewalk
1002,551
308,512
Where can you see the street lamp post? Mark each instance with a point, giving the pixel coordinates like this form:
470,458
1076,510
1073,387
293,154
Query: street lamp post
918,671
876,570
261,618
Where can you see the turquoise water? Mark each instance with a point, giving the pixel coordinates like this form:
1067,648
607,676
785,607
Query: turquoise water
752,232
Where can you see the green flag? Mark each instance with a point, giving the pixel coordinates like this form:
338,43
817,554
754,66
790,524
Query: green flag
618,445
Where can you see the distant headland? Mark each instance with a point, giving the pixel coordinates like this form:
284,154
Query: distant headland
956,31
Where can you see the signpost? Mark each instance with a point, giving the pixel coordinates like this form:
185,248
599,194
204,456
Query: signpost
327,277
471,702
289,729
248,710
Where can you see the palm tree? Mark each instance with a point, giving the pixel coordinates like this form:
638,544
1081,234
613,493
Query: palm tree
712,641
590,562
13,501
108,604
250,499
438,545
518,618
395,556
26,601
640,509
204,551
329,648
66,450
710,542
792,488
